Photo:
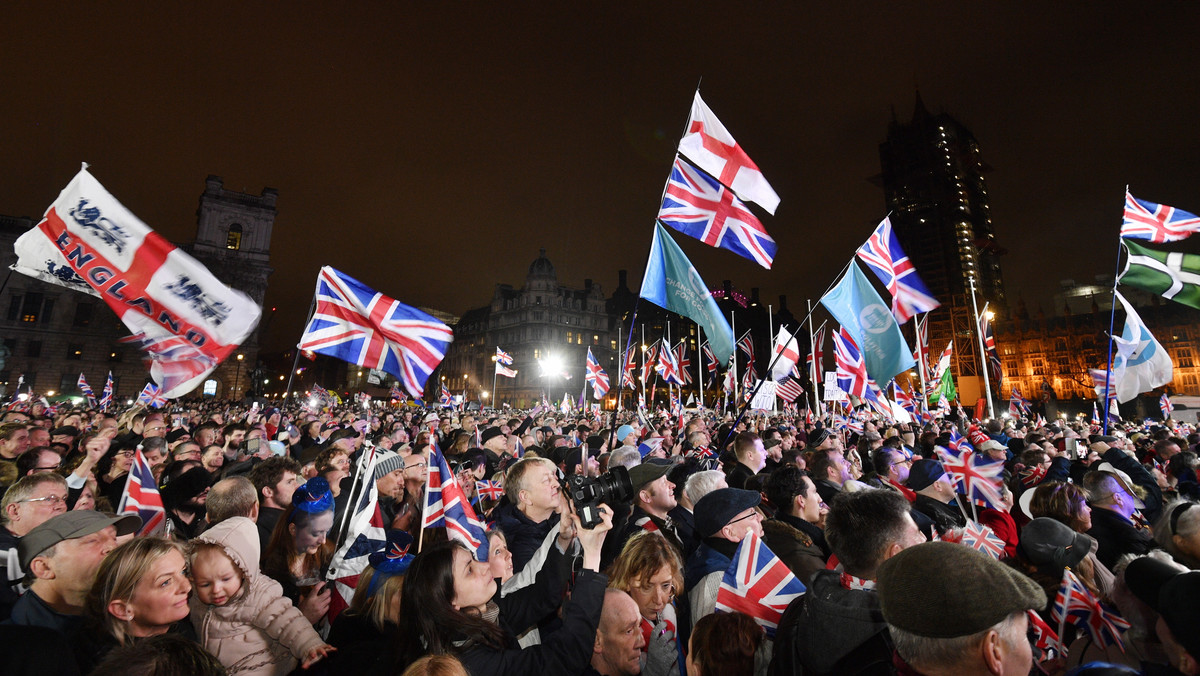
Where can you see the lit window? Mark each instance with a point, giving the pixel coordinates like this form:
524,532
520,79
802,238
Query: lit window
233,239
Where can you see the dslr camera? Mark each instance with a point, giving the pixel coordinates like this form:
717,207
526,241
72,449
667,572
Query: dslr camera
587,493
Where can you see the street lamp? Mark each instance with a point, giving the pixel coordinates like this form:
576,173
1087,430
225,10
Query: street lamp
237,379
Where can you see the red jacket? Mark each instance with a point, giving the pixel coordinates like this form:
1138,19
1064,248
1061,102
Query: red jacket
1003,526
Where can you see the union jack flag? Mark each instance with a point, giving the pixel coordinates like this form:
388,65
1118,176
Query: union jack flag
746,345
921,353
362,326
445,397
1075,604
817,354
697,205
492,490
1158,223
748,379
1164,403
141,497
1017,404
395,393
364,536
627,370
842,422
596,376
904,398
152,395
685,362
87,391
959,443
730,382
979,537
989,344
975,476
648,362
882,253
1095,415
503,357
710,360
1103,386
758,584
668,365
107,394
789,388
1044,638
851,369
446,505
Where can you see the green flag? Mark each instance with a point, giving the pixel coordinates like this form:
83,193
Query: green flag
944,386
671,282
1172,275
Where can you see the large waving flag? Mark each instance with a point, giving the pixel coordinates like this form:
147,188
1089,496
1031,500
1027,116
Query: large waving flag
786,354
882,253
713,149
630,365
758,584
503,357
89,242
357,324
710,360
699,206
446,505
141,497
851,371
1141,364
1172,275
668,365
861,312
1157,223
671,282
596,376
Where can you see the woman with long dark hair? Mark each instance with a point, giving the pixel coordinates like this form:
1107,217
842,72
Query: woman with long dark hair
451,605
300,550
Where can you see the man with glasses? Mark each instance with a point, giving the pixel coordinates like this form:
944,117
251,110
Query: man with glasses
723,519
154,427
1114,505
28,503
38,460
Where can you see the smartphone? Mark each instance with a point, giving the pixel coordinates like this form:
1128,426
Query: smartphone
253,445
1072,446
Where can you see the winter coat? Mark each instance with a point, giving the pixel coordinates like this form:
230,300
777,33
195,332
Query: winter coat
524,536
832,630
794,548
258,631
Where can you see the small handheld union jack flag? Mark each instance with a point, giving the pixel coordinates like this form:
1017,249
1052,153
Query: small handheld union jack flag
977,477
1164,404
1074,604
1044,638
141,497
87,391
152,395
107,395
1157,223
758,584
446,505
492,490
979,537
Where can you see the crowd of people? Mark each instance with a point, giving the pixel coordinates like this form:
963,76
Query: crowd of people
235,578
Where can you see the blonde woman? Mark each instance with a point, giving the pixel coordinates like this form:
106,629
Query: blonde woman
649,570
141,590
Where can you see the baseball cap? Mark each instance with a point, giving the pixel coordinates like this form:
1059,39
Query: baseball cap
69,526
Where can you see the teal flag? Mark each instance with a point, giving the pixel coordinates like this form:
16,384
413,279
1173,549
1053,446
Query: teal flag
860,310
671,282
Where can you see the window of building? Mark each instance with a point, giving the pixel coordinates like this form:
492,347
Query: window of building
14,308
579,338
569,337
35,307
34,349
233,238
612,344
68,382
1039,367
595,339
537,354
83,314
75,351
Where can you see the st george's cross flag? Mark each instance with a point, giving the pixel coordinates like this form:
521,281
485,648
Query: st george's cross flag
89,242
882,253
1157,223
596,376
141,497
698,205
786,354
713,149
357,324
758,584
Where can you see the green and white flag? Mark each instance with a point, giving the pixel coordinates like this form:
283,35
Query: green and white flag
1173,275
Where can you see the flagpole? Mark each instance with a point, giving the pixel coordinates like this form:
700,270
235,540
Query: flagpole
495,375
922,360
736,382
700,362
771,333
642,375
1112,319
815,369
983,360
612,431
295,362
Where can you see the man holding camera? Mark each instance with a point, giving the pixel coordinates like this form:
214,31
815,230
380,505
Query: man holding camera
532,510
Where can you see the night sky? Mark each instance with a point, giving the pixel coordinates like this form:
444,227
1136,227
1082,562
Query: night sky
431,152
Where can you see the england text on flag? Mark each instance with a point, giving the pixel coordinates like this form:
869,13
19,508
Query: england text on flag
1157,223
882,253
699,206
141,497
89,242
362,326
713,149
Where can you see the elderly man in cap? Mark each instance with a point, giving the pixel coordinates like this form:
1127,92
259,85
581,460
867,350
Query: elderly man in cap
936,498
723,519
956,611
836,628
61,557
495,447
653,499
1114,505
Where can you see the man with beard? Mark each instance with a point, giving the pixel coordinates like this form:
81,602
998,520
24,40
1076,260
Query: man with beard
184,496
275,479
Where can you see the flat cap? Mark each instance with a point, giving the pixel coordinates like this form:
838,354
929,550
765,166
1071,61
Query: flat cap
719,507
946,590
